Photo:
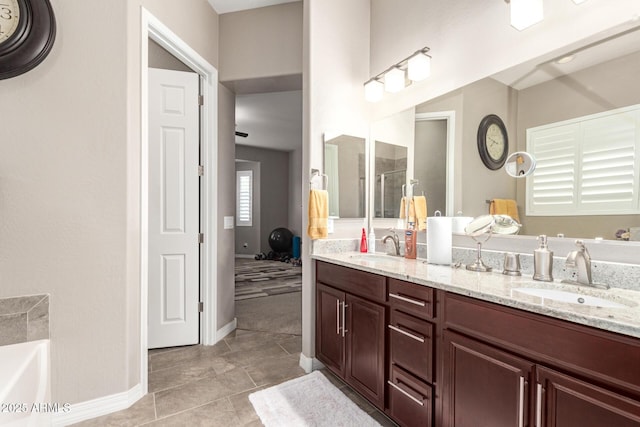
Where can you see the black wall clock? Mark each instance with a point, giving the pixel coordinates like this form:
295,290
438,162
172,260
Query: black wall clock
493,142
27,32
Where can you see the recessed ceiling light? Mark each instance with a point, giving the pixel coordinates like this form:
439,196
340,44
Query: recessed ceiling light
565,59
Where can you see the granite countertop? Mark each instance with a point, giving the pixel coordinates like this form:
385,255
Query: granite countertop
502,289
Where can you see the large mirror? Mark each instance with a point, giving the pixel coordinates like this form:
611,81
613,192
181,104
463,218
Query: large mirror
412,147
345,167
595,78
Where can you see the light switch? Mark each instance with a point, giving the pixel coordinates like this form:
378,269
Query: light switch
228,222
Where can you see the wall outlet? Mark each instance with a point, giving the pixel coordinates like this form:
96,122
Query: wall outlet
228,222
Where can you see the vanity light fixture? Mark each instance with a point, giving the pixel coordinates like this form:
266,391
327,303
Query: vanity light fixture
415,67
525,13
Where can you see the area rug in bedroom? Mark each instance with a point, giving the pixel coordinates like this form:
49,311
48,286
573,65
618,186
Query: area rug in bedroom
261,278
310,400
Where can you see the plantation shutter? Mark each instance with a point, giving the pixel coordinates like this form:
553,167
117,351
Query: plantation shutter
244,194
586,166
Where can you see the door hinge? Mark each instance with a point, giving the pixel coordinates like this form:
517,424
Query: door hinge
200,238
200,100
200,306
200,170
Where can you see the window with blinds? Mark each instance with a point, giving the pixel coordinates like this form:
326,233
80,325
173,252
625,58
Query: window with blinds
586,166
244,201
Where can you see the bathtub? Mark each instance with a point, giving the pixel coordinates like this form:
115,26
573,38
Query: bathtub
24,384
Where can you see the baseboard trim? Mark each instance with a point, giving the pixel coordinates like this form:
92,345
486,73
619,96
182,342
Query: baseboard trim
310,364
248,256
97,407
226,329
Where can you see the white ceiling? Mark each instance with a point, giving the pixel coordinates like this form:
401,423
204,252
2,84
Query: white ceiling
226,6
272,120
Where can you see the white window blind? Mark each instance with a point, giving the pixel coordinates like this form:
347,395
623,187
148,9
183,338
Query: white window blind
244,201
586,166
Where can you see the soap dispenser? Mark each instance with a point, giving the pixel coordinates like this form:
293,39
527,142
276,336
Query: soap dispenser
543,261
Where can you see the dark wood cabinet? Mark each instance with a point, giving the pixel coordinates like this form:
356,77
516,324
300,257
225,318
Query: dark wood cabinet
350,332
484,387
569,402
330,343
429,357
365,348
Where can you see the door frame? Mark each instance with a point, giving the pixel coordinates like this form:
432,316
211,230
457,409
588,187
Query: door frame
152,28
450,117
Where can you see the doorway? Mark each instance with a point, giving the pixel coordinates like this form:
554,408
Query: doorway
155,30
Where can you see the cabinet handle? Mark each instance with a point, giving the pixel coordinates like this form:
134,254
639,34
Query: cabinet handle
397,387
344,318
538,405
521,403
409,300
410,335
337,317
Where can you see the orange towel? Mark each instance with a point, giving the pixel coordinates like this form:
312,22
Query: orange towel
504,207
318,214
420,203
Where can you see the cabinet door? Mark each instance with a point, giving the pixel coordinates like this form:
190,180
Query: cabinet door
365,348
330,348
569,402
484,386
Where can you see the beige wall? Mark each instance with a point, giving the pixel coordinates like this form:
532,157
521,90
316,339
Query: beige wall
336,57
226,206
262,42
69,180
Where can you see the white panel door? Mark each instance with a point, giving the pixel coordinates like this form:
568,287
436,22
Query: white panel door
173,208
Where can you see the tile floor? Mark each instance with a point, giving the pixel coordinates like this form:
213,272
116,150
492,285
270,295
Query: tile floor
209,386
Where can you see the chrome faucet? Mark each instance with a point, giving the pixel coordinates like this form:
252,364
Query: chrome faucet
396,240
581,261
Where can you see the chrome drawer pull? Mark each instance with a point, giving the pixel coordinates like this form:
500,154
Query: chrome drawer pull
409,300
419,402
415,337
521,403
337,317
538,405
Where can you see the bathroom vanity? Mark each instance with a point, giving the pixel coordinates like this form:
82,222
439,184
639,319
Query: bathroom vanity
439,346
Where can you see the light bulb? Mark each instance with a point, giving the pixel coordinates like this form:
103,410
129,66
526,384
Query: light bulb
419,67
394,80
373,90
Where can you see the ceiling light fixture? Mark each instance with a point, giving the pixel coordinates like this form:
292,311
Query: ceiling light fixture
579,1
416,67
525,13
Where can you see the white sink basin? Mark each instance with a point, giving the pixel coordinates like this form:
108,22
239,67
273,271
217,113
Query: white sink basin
570,297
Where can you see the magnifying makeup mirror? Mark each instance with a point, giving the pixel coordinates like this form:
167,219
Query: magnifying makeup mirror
488,224
476,228
520,164
504,224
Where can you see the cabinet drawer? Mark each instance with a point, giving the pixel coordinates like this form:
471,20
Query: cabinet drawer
411,298
356,282
411,345
410,401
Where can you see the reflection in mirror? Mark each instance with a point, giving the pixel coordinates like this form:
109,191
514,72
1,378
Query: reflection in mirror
520,164
601,77
345,166
390,175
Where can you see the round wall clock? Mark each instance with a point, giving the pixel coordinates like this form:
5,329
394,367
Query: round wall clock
27,32
493,142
